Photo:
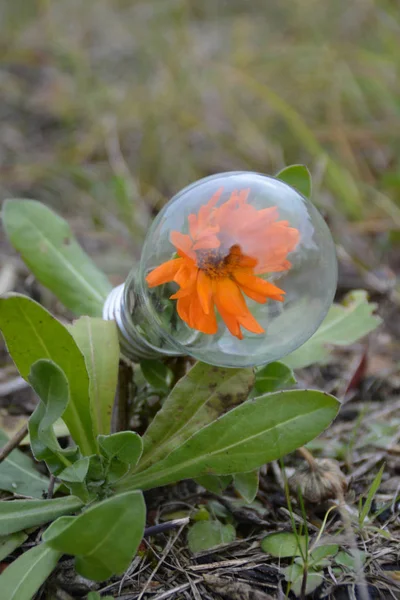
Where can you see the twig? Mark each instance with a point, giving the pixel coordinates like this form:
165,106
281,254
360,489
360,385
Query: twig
175,590
13,442
162,559
167,526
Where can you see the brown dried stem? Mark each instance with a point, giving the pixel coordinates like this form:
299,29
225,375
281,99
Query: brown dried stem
14,442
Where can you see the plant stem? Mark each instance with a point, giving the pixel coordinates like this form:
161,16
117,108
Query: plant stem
13,442
120,417
306,454
304,583
50,490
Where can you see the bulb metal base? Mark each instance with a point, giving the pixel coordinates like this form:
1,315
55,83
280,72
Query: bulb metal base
133,345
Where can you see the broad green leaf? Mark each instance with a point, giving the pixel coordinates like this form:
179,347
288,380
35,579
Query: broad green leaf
298,177
98,342
18,474
22,578
51,385
343,325
273,377
204,535
10,542
60,429
96,472
157,374
116,470
74,477
104,538
77,472
16,515
214,483
247,484
96,596
248,436
204,394
49,249
322,552
348,560
126,446
32,334
294,573
284,545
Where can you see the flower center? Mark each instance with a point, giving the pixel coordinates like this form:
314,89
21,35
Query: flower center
218,262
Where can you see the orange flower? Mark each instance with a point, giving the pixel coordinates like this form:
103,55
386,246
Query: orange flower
227,246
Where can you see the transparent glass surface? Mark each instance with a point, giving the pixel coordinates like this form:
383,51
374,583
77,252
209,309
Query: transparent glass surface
250,265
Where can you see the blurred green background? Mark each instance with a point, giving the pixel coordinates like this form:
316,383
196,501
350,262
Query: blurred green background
108,108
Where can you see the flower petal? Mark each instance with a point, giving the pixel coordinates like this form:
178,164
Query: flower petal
205,212
249,322
247,262
187,274
253,295
193,225
207,243
259,286
198,319
230,321
164,273
182,243
229,296
182,307
205,292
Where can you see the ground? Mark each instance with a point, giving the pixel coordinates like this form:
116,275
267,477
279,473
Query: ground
108,108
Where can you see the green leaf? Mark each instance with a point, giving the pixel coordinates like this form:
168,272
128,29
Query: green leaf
49,249
157,374
10,542
96,470
22,579
370,496
343,325
51,385
104,538
126,446
284,545
247,484
250,435
98,342
298,177
273,377
74,477
32,334
96,596
77,472
204,535
214,483
322,552
294,573
116,471
348,560
17,515
204,394
18,474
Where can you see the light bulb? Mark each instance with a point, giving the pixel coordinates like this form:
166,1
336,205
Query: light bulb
238,269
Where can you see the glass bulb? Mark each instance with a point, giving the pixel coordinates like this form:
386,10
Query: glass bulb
238,269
